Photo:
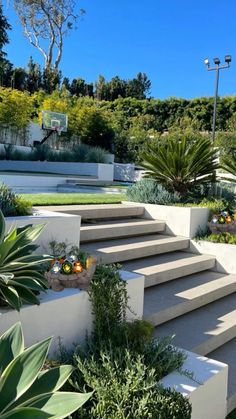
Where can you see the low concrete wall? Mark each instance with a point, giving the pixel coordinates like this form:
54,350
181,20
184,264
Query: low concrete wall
207,393
124,172
181,221
104,172
67,314
224,254
58,226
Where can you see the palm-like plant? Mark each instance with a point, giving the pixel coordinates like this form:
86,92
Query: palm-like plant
25,390
228,164
180,165
21,274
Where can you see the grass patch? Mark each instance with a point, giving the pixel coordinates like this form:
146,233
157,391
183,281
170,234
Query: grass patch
73,198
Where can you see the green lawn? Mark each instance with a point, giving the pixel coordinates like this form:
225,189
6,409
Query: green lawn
73,198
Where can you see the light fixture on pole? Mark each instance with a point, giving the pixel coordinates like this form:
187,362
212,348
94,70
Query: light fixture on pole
217,68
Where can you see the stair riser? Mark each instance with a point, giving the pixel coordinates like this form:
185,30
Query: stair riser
179,272
215,341
187,306
119,232
141,252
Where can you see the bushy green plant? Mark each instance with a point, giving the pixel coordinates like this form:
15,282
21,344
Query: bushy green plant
228,164
224,237
180,165
150,192
25,390
21,274
96,155
126,387
11,204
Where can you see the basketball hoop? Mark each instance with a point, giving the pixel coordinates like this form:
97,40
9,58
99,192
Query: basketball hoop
58,129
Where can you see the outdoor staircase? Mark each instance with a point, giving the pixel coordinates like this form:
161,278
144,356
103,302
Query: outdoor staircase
183,295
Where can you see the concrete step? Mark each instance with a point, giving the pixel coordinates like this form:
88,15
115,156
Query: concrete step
100,211
170,300
163,268
205,329
227,354
119,250
119,228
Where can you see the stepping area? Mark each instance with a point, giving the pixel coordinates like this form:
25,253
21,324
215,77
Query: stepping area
184,296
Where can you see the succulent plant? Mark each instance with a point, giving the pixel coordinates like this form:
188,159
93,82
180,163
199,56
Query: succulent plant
21,273
27,391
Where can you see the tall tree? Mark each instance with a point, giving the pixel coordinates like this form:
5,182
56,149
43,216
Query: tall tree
46,23
5,65
34,79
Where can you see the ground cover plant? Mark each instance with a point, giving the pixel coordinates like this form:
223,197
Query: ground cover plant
224,237
21,271
12,204
74,198
28,391
121,362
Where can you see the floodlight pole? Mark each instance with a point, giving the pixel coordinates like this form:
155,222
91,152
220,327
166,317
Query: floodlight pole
217,69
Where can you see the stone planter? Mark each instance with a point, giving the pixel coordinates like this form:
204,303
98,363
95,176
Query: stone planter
58,226
217,228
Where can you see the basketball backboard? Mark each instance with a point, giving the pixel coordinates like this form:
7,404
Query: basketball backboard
54,121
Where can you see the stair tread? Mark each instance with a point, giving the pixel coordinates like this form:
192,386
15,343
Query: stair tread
161,263
120,223
166,301
204,329
110,246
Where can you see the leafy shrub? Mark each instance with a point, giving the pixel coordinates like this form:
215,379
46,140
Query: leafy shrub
148,191
224,237
25,390
21,273
126,387
180,165
96,155
11,204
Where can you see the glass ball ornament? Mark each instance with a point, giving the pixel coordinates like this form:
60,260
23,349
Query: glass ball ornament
71,258
67,267
77,268
56,268
221,219
228,219
214,219
225,213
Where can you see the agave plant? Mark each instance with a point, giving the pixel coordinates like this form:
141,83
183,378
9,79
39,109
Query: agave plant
228,164
27,391
21,274
180,165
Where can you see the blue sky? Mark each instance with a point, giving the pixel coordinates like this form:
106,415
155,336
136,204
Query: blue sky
167,39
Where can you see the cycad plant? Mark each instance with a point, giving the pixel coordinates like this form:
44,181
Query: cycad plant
21,273
25,390
228,164
180,164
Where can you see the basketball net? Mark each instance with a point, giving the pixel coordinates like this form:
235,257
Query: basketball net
58,129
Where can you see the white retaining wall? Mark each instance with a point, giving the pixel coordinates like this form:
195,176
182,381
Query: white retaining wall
225,254
182,221
67,314
58,226
103,172
207,392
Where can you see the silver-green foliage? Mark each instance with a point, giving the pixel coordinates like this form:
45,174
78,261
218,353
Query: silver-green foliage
25,390
150,192
21,274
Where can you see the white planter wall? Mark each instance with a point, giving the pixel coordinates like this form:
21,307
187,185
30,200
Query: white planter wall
58,226
207,393
100,171
181,221
67,314
225,254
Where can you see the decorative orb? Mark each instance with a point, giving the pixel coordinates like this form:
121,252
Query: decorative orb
67,267
56,268
225,213
214,219
71,258
62,260
89,261
234,216
228,219
78,267
221,219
